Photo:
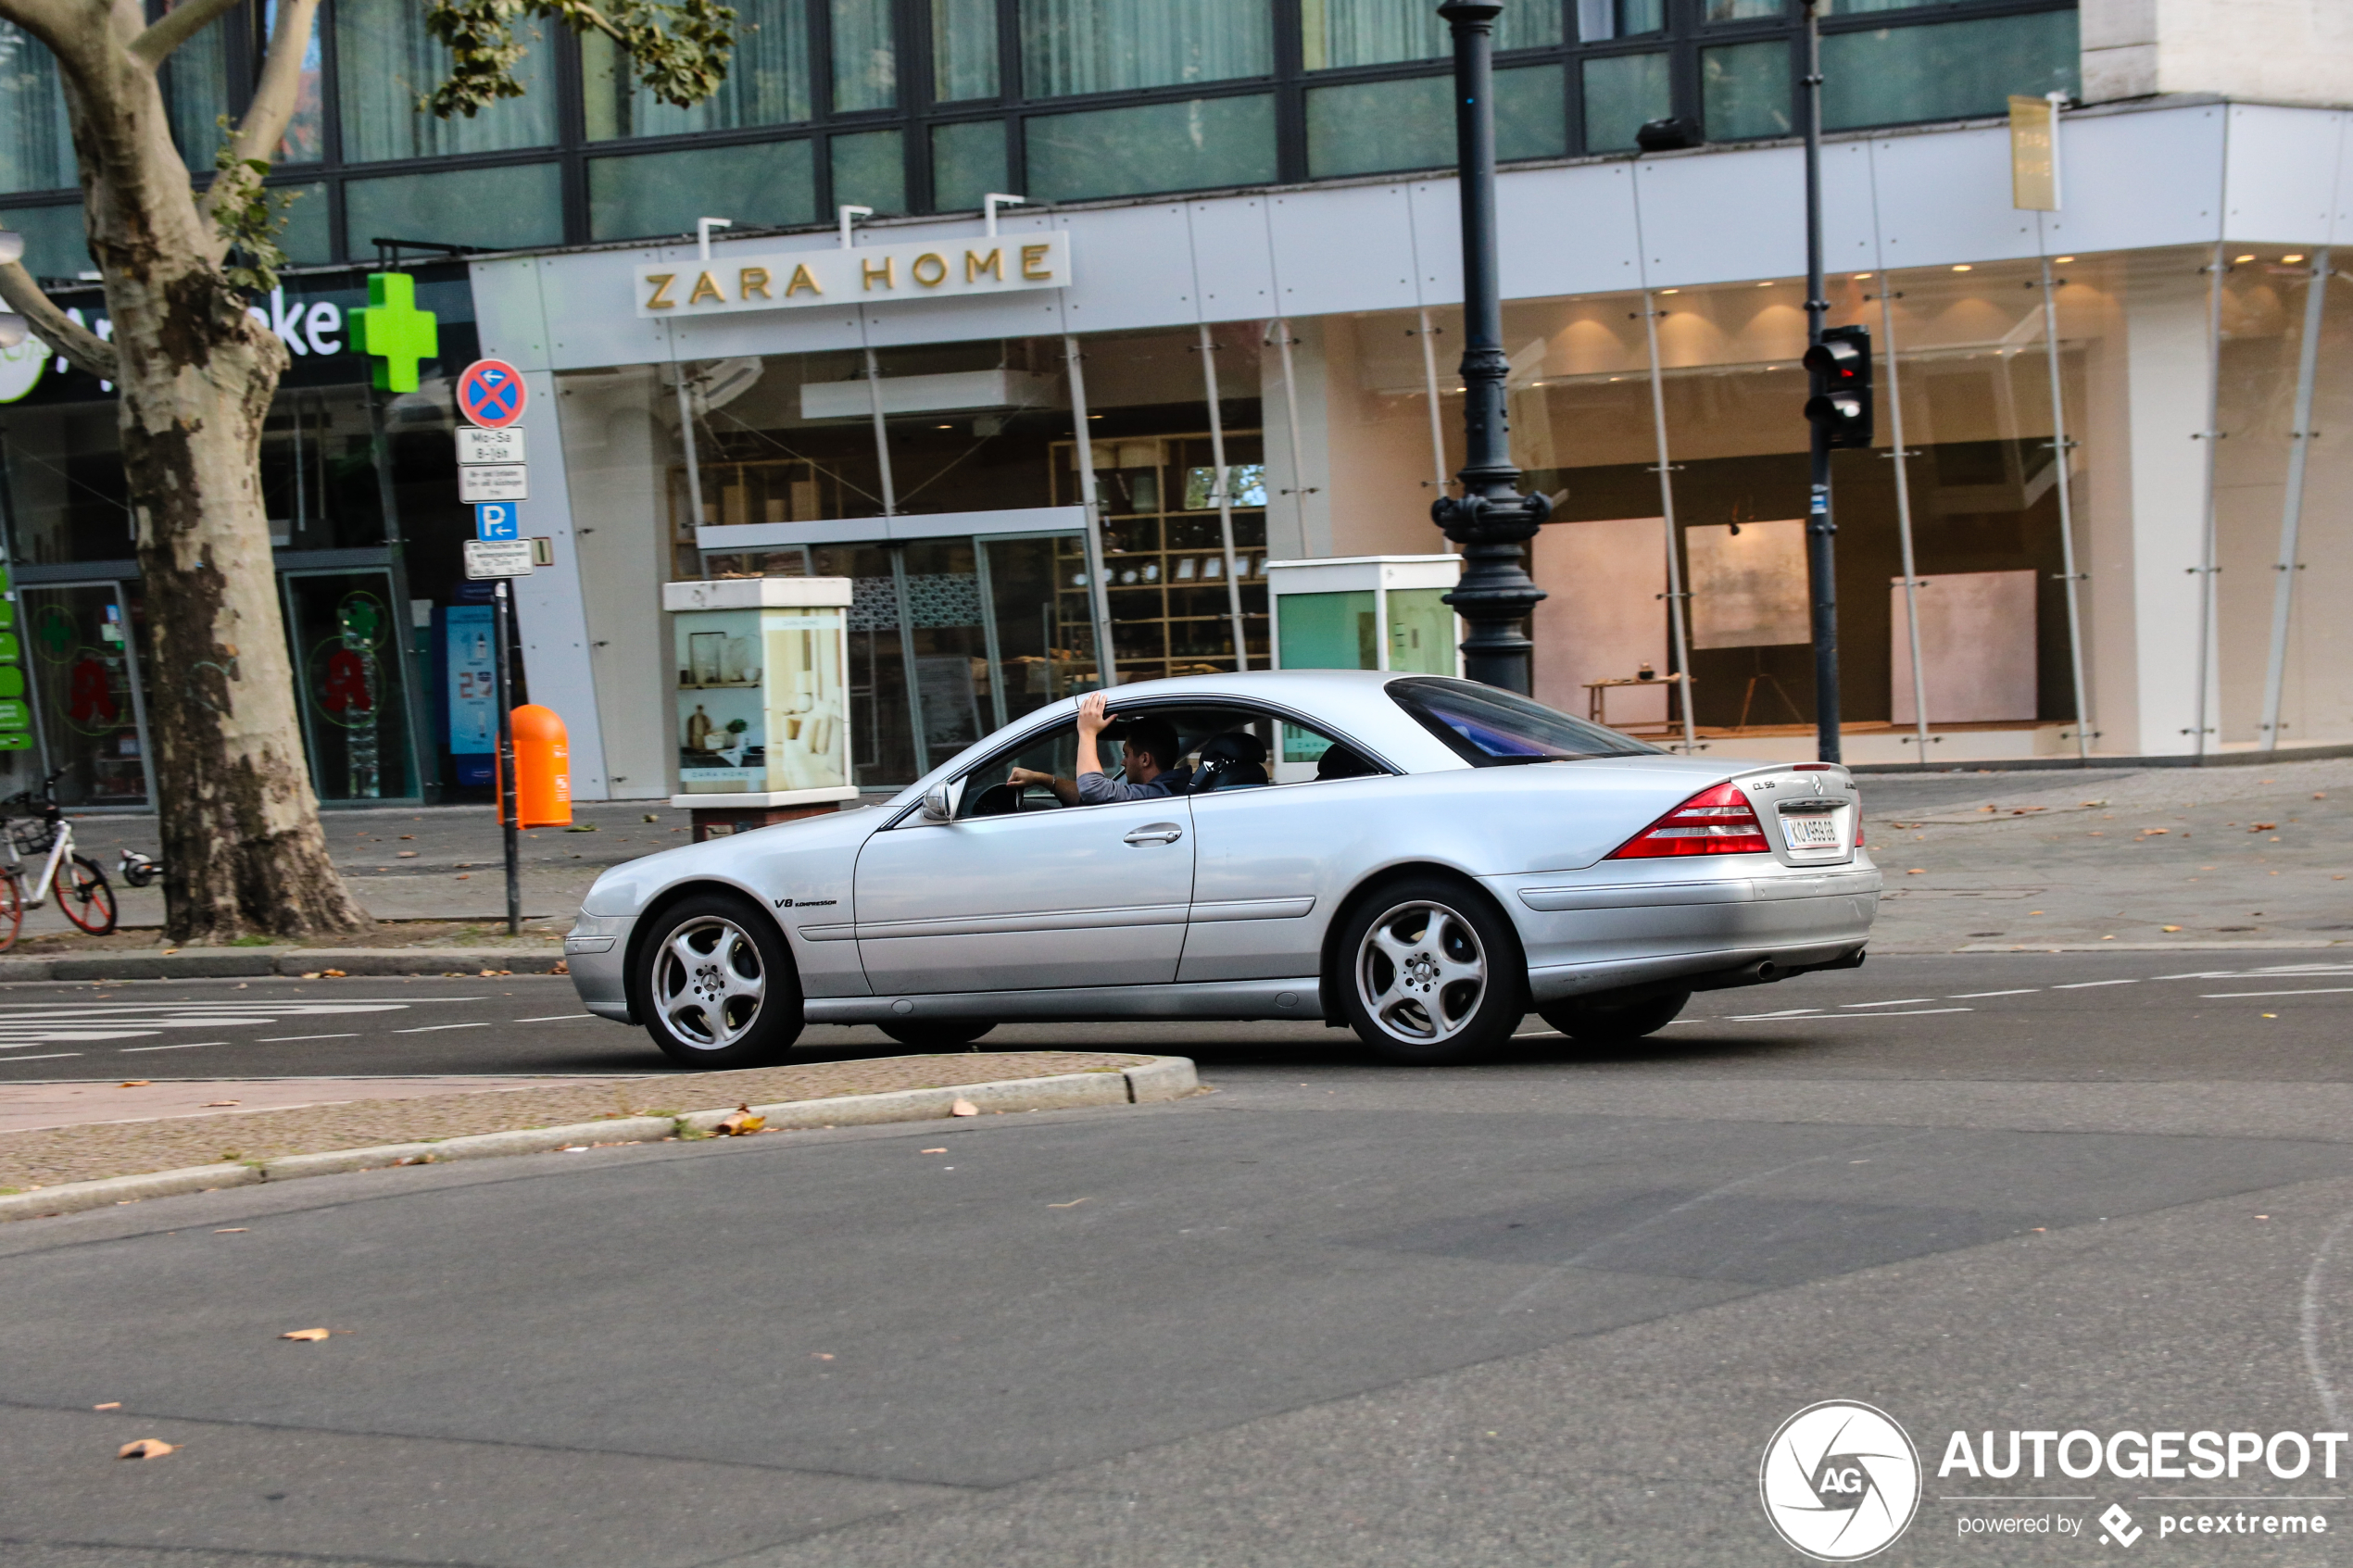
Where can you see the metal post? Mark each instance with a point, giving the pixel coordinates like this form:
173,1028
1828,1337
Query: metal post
1674,537
882,433
1490,519
2205,569
2292,510
1429,385
1299,485
1822,532
1903,517
1225,497
1098,593
694,463
2064,450
508,809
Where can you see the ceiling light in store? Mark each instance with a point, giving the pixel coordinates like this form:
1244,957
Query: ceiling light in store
1860,276
1766,285
2238,260
2298,257
1671,291
1963,267
2062,260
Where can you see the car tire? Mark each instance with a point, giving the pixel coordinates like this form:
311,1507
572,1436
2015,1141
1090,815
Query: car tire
1428,975
936,1033
717,985
1597,1020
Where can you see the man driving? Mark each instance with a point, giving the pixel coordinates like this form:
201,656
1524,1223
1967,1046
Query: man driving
1147,755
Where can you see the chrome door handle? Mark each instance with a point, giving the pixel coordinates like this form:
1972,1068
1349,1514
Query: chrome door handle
1155,832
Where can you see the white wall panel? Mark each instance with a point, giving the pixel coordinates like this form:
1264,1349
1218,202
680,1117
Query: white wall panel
1568,231
1945,198
592,312
1717,218
507,307
2341,203
1134,266
1850,207
2134,182
1232,258
1021,313
2281,173
1349,249
1438,241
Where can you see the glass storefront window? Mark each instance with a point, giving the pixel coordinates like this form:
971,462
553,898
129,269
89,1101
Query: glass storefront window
308,238
970,424
1372,127
82,640
390,61
1949,71
1598,21
1624,93
1744,10
1376,32
772,184
967,162
56,243
1744,90
865,53
305,137
963,50
496,209
870,169
36,141
1201,145
348,637
767,81
196,91
1073,46
66,491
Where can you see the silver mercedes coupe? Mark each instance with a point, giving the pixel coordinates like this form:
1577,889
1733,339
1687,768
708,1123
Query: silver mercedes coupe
1421,858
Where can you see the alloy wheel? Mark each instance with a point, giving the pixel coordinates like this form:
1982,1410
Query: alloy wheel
1421,974
709,983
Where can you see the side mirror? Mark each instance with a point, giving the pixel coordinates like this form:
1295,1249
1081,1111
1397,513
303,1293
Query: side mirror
935,809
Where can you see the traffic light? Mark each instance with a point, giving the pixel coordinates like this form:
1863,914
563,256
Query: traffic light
1841,364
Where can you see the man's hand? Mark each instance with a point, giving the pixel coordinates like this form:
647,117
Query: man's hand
1093,715
1021,778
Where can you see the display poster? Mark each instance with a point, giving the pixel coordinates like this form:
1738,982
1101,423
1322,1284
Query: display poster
473,679
1748,584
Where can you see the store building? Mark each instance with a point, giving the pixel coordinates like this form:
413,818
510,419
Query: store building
1219,275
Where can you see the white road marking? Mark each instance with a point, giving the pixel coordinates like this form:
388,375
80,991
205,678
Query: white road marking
1970,996
190,1046
287,1039
59,1056
2318,991
1898,1002
1827,1016
566,1017
1531,1034
430,1028
2086,984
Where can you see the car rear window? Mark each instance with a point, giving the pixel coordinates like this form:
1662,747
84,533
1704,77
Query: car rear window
1490,728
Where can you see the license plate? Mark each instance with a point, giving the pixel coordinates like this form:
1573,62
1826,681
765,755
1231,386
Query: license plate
1813,831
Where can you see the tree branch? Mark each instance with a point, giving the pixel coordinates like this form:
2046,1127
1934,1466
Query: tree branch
152,46
53,326
273,109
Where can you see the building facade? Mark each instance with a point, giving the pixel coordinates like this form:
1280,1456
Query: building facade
1229,307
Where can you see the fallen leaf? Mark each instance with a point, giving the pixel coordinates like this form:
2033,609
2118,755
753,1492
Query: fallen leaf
813,1355
2171,928
137,1083
560,966
304,1334
1072,1204
1917,871
489,975
963,1108
931,1151
2262,827
171,952
232,1230
212,1104
463,875
334,974
146,1448
403,854
109,1405
2108,938
311,974
739,1122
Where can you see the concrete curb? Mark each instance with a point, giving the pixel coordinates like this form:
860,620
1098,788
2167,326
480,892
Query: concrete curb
1163,1078
244,963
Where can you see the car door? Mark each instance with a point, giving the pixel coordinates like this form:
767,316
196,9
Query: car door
1033,900
1271,863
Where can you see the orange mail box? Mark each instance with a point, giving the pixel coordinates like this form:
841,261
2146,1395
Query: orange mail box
542,769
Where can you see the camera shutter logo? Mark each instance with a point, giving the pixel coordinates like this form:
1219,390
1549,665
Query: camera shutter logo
1840,1481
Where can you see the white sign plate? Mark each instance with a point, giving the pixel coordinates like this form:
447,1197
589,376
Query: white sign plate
864,274
477,446
493,482
497,558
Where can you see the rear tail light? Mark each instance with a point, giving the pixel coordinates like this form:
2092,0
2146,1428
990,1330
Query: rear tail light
1858,830
1716,821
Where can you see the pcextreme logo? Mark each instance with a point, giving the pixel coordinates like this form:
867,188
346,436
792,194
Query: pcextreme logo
1840,1481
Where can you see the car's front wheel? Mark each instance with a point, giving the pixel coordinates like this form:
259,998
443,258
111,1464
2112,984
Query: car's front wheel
1432,976
1598,1021
717,986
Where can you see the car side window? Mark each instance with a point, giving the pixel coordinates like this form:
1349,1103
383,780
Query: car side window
1055,751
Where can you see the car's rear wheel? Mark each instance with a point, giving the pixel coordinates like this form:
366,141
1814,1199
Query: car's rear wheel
1600,1022
936,1033
1431,975
717,986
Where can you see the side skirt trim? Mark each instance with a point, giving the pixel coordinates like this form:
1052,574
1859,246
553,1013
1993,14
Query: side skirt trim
1220,998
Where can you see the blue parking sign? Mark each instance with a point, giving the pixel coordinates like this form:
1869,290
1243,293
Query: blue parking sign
495,519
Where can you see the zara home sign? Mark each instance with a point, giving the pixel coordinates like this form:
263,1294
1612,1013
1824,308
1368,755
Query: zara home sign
926,270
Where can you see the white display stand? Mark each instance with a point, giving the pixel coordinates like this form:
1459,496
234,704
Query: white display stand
1358,612
762,722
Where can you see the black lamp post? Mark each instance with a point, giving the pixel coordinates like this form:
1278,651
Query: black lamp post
1822,531
1490,519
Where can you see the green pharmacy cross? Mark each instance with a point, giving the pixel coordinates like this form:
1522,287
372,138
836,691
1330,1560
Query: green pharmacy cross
395,331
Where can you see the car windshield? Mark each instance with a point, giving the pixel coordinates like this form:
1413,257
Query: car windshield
1490,728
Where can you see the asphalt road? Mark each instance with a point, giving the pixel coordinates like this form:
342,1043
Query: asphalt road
1543,1311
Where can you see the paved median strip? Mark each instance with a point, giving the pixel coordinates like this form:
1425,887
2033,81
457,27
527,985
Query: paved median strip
1099,1081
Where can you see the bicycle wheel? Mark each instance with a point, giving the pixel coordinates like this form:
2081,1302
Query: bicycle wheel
84,897
11,906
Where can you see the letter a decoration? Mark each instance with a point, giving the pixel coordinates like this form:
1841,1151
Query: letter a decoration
393,332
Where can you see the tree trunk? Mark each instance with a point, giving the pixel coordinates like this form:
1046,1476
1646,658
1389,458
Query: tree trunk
242,850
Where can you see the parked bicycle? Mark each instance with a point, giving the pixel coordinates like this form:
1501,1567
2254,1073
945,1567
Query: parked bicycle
84,897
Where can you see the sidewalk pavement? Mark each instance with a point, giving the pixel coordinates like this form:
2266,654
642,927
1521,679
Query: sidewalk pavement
26,1108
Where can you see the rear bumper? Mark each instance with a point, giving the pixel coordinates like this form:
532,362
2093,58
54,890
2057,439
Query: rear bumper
1582,938
596,953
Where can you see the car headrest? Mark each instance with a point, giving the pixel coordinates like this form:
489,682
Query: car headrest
1233,758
